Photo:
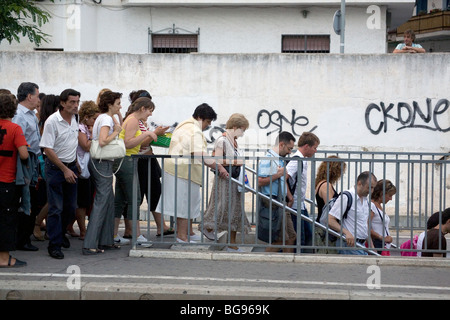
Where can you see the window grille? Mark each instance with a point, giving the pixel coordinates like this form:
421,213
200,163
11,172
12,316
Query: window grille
173,41
305,43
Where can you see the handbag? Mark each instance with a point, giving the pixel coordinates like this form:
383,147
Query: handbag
235,170
113,150
83,162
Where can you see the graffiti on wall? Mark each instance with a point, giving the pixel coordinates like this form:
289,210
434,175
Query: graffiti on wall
408,116
276,122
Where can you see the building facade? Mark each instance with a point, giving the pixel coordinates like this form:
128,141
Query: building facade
217,26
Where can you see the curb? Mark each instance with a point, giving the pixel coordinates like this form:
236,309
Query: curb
290,258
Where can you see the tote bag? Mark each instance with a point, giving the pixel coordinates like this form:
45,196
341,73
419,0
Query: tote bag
113,150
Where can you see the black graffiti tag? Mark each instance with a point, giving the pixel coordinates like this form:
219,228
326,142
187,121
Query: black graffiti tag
407,116
265,119
215,132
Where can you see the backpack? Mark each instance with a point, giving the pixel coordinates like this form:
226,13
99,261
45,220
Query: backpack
407,245
293,186
327,208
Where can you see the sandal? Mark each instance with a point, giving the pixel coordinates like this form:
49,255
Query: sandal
167,232
109,247
18,263
88,252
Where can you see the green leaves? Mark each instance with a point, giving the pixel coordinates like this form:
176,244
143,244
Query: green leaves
22,17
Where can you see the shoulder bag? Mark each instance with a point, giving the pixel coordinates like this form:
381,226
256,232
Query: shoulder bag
113,150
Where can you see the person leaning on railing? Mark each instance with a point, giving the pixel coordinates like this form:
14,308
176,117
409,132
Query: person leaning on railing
382,194
225,208
271,179
183,202
328,173
355,227
409,46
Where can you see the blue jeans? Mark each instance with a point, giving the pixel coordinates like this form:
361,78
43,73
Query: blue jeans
342,243
306,231
62,203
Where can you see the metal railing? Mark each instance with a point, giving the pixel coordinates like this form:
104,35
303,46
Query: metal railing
422,189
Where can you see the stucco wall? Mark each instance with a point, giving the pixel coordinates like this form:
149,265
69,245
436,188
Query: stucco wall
223,29
376,102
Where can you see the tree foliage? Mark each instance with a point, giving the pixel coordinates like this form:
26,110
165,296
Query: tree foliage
22,17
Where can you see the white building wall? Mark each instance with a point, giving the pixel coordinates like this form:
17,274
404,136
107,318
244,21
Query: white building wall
339,96
223,29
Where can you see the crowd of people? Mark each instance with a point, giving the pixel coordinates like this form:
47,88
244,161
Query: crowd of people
48,174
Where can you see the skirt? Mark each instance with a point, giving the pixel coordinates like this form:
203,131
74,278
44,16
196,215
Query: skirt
176,203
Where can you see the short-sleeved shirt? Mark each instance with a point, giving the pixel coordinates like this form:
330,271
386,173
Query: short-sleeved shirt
61,136
103,120
400,46
268,168
361,214
11,138
187,138
291,169
434,237
28,121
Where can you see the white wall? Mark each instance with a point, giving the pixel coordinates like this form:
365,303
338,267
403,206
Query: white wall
331,93
229,29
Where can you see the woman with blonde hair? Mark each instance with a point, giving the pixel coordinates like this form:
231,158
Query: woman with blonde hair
228,202
328,173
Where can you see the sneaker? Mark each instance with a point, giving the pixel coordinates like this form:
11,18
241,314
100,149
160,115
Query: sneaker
182,241
234,250
141,239
122,241
195,237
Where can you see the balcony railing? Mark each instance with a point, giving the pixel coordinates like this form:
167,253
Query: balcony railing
427,23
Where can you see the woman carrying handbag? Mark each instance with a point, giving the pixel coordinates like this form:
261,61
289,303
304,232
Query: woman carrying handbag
100,230
382,193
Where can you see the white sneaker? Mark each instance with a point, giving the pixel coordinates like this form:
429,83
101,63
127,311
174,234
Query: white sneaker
196,237
122,241
182,241
141,239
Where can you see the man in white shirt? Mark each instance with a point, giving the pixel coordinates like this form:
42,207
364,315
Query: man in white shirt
60,141
307,147
355,227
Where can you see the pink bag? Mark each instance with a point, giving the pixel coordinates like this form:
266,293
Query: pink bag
407,245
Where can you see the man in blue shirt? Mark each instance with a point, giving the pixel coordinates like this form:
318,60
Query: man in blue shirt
28,97
271,180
